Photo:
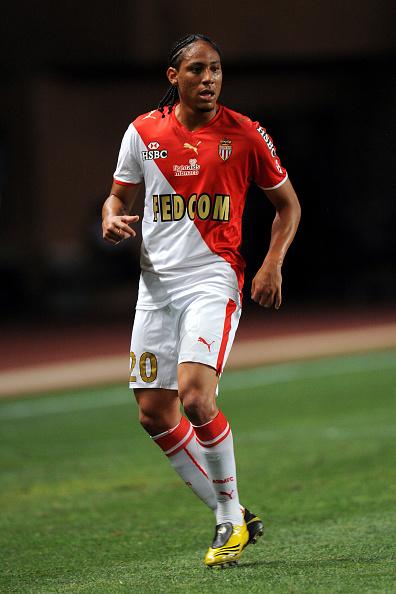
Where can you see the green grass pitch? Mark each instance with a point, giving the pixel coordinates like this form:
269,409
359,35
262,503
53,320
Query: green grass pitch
90,504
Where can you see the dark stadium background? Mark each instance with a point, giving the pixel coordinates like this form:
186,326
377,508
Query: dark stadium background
319,75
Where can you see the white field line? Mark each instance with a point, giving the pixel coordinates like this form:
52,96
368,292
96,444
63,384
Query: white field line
246,353
67,403
232,381
59,376
333,433
313,344
286,372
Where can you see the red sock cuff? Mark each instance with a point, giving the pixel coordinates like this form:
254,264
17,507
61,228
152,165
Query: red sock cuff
176,438
212,433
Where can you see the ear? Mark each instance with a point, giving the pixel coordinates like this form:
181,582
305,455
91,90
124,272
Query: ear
172,75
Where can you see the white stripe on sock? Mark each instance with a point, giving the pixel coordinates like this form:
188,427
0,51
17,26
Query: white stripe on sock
155,437
210,441
173,448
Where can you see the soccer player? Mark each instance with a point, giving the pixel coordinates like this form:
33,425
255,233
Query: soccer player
196,159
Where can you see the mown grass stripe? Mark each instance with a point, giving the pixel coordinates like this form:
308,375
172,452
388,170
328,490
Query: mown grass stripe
232,381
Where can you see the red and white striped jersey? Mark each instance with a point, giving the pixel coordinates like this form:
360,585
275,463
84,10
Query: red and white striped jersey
196,185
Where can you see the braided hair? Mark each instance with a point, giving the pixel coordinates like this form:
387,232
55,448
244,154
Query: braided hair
174,60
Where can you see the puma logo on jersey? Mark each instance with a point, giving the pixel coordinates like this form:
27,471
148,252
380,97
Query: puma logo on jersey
150,115
187,145
208,344
228,494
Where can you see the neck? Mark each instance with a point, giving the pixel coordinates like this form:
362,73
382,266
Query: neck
192,120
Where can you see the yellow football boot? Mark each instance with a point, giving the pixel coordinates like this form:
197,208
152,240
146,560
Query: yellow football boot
227,546
254,525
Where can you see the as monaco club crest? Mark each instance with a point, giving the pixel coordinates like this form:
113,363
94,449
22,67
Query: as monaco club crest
225,149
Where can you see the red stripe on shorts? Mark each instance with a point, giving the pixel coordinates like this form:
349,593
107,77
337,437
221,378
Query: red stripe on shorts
231,307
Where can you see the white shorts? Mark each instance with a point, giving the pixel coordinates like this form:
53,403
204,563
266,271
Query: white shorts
199,327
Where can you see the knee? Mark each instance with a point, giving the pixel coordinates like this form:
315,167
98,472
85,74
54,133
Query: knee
158,421
159,410
149,422
199,405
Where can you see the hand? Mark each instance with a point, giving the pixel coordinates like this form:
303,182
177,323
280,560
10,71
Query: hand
267,285
116,228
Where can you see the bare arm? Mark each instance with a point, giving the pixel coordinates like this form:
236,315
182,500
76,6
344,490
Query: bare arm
116,213
267,284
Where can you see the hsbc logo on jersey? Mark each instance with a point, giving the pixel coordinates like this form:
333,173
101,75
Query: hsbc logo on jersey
277,165
154,152
267,138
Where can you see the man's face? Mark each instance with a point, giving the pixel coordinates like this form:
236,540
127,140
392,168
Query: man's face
198,77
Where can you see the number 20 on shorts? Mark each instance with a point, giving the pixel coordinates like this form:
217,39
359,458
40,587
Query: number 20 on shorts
148,367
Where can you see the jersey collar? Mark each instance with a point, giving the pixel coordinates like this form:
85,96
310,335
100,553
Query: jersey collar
179,125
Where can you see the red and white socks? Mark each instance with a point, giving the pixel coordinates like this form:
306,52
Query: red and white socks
181,446
203,457
217,447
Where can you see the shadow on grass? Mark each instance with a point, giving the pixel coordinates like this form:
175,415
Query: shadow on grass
310,563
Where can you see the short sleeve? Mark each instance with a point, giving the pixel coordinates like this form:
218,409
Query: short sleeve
267,171
128,170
